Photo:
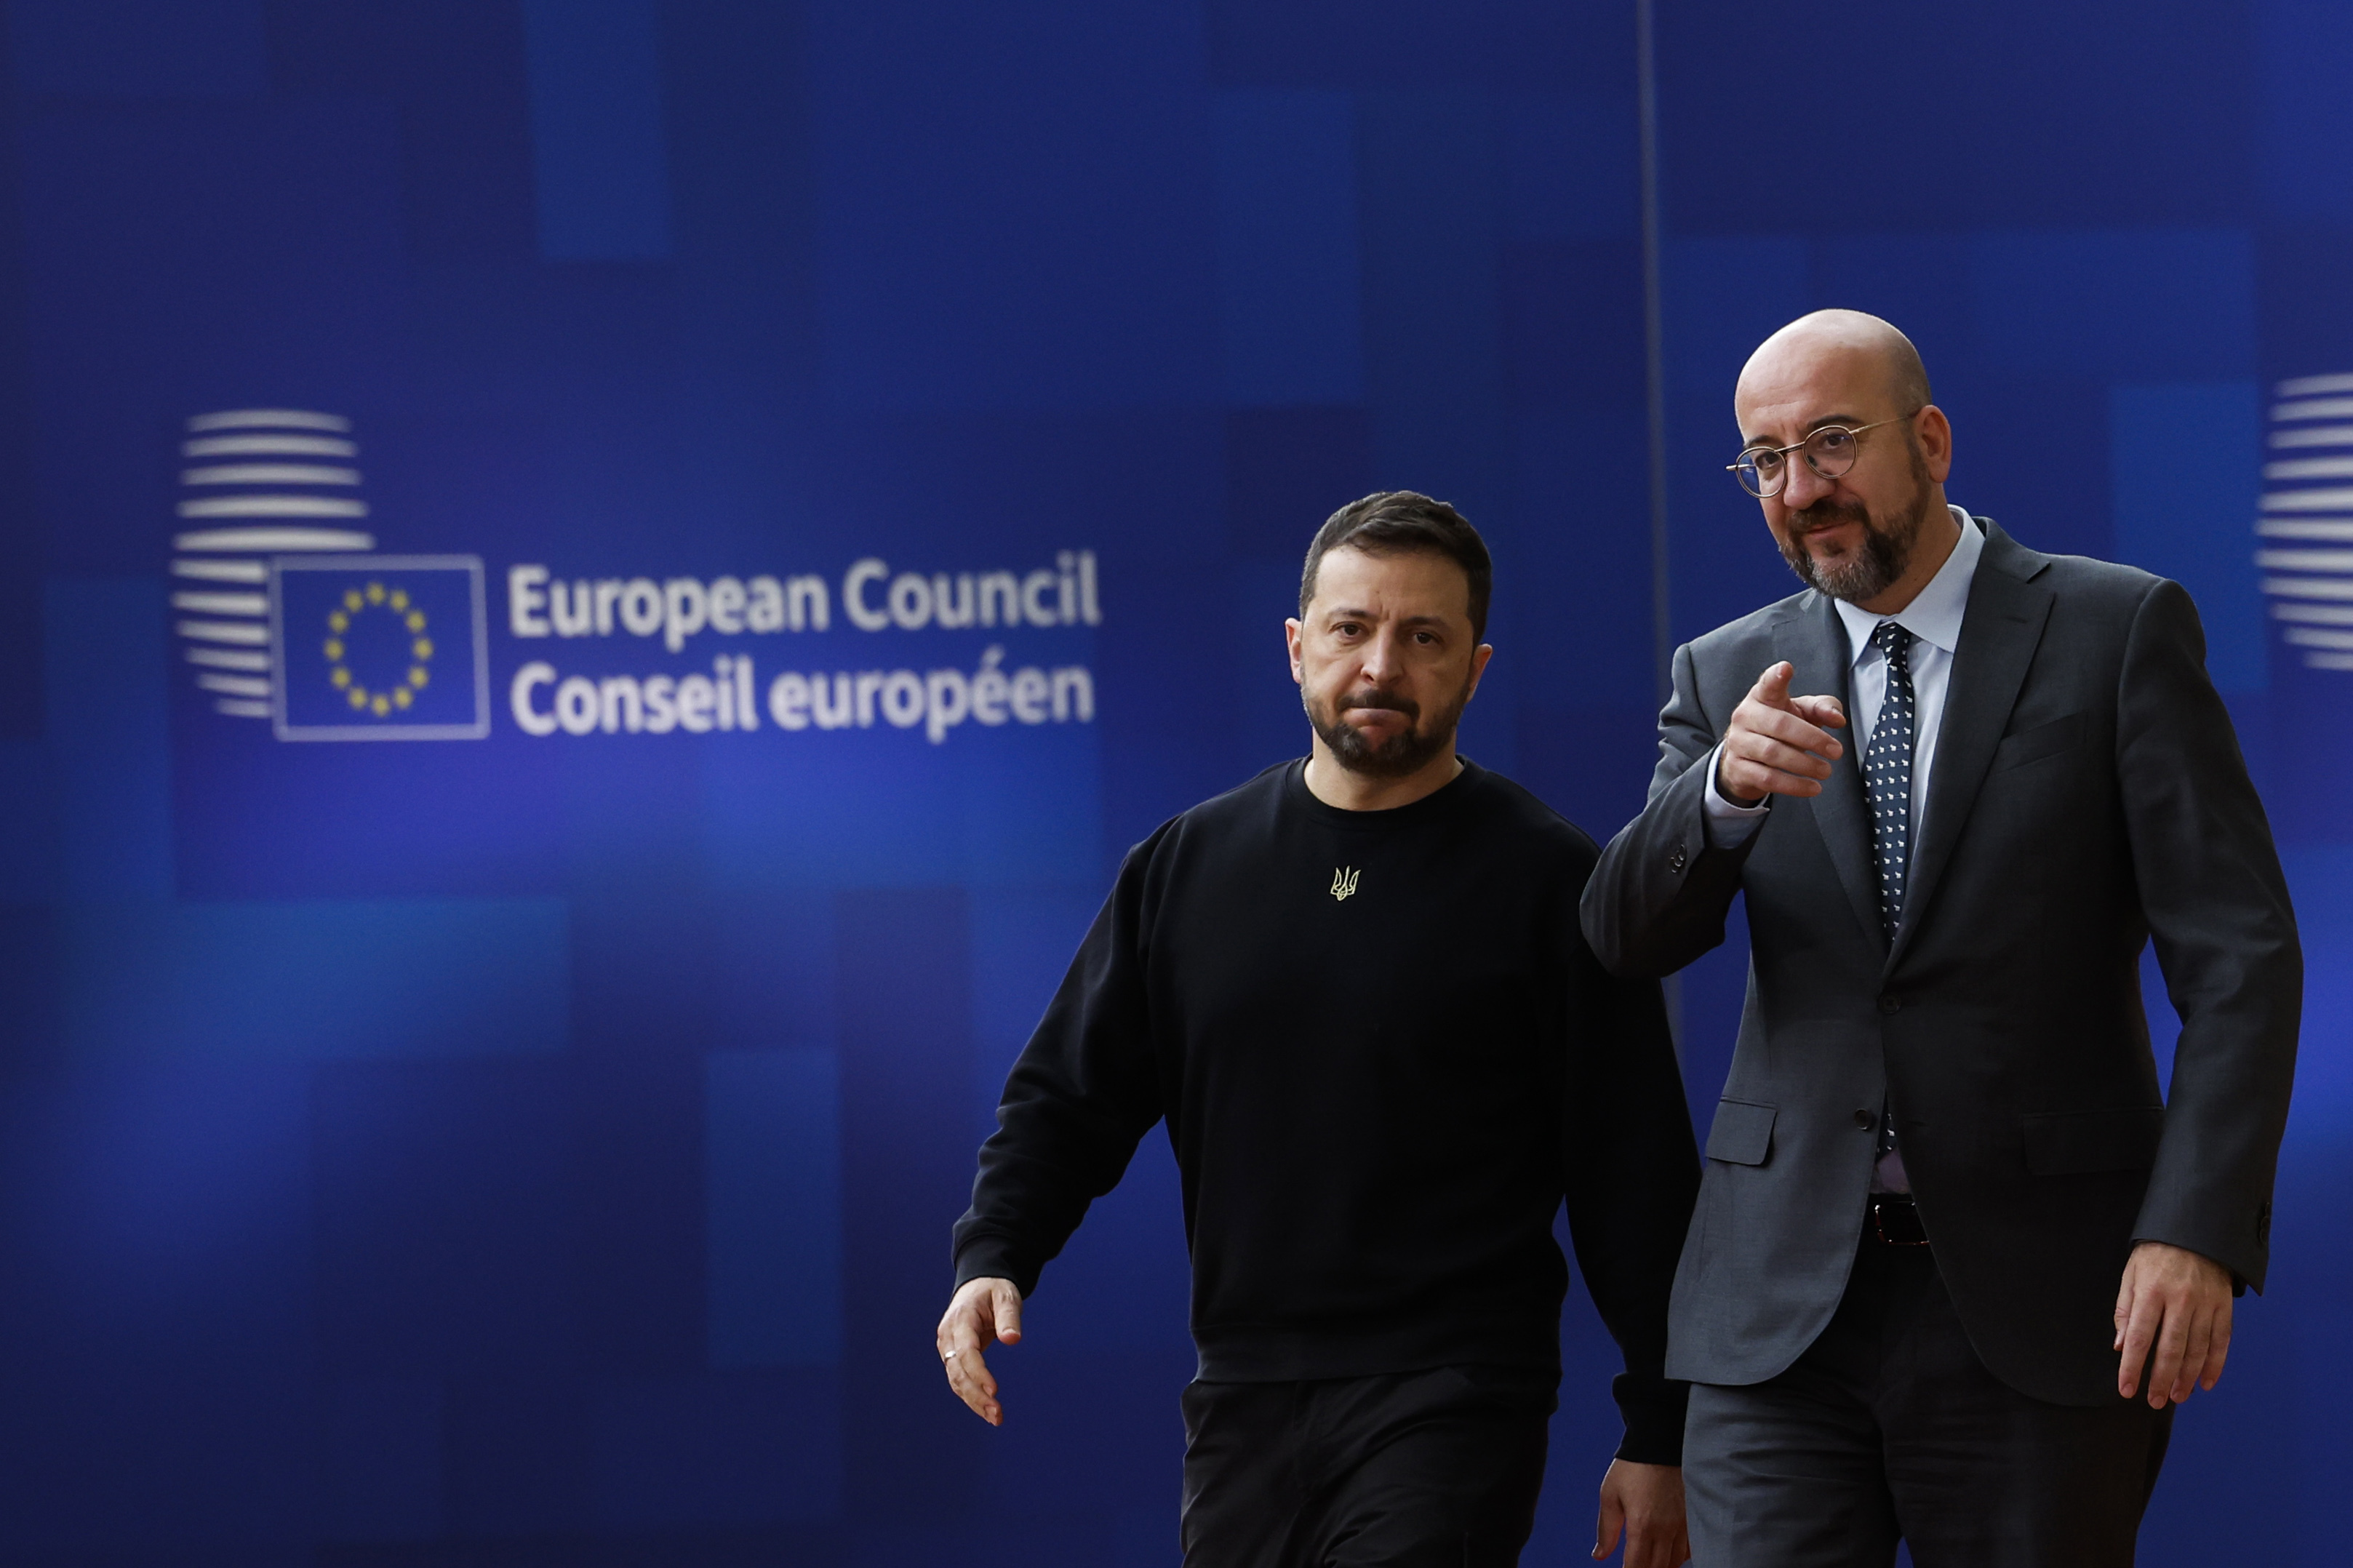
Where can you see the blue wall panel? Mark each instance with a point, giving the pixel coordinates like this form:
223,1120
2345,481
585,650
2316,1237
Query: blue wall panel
2304,122
157,1223
2320,877
1432,214
1396,47
155,242
700,1454
1723,297
139,49
105,768
905,989
985,247
1290,304
1022,941
597,130
322,980
381,1458
2101,112
32,857
2148,304
772,1132
2186,459
1573,168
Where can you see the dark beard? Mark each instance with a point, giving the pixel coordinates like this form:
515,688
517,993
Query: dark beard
1396,757
1887,547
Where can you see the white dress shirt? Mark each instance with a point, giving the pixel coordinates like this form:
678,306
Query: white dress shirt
1933,619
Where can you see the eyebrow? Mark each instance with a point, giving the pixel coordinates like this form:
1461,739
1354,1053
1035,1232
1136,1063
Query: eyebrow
1827,419
1343,612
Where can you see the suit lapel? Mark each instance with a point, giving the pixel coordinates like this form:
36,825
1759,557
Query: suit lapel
1815,642
1999,632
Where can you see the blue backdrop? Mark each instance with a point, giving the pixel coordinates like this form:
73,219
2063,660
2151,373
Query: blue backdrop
600,583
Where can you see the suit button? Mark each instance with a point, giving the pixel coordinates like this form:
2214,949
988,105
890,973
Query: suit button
1677,859
1891,1004
1864,1119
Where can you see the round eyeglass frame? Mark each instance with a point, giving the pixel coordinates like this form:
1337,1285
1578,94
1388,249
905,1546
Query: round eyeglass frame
1744,468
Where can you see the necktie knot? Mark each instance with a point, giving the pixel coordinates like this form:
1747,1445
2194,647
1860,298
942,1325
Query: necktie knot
1895,644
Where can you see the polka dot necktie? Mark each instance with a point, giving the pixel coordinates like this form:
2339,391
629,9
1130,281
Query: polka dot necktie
1887,774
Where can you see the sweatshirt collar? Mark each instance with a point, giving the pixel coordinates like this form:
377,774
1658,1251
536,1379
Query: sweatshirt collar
1436,801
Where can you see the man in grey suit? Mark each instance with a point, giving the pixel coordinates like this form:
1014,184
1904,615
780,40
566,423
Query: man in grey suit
1948,1220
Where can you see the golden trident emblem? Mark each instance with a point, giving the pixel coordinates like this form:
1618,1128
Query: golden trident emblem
1343,882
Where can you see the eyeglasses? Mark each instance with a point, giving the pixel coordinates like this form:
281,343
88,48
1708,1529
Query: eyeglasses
1830,452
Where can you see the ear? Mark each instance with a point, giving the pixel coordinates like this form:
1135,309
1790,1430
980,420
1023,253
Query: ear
1291,632
1478,659
1935,434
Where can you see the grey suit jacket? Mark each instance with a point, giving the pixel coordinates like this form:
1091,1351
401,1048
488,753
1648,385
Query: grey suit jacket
2088,794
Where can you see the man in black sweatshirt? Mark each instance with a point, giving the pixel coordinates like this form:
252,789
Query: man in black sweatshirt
1357,991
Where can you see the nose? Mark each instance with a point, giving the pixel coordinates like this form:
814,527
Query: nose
1803,487
1379,660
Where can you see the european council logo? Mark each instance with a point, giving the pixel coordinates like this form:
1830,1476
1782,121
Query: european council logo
379,648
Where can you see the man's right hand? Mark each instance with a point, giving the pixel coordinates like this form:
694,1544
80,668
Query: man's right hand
1646,1502
983,1310
1777,744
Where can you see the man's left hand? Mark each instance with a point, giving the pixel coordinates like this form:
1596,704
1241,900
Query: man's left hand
2177,1302
1647,1503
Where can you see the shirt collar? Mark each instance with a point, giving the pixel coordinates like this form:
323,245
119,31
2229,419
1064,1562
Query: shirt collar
1934,616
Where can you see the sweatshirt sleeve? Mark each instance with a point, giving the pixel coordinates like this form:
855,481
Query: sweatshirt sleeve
1631,1179
1083,1093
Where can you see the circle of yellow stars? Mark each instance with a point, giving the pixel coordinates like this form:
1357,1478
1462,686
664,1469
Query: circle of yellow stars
395,602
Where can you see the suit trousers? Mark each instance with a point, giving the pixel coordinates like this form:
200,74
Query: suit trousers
1435,1468
1889,1427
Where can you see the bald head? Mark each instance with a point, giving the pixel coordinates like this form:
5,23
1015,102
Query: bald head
1864,517
1835,345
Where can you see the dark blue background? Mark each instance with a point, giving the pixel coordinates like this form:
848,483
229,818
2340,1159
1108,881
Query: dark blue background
540,1151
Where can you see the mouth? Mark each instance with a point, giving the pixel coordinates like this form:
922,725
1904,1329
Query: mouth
1368,703
1829,530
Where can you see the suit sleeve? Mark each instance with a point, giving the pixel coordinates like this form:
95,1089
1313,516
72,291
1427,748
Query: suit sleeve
2217,906
1658,898
1632,1176
1081,1096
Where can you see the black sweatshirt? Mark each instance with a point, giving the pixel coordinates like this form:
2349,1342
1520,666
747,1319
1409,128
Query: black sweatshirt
1385,1055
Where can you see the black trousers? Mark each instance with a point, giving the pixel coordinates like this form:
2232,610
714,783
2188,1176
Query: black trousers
1416,1469
1888,1427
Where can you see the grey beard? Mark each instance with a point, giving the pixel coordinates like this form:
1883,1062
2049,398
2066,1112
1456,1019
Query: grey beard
1863,575
1887,552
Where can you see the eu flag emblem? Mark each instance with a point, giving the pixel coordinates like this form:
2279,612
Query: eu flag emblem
379,648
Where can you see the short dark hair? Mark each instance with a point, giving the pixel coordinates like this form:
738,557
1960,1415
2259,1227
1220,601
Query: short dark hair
1390,522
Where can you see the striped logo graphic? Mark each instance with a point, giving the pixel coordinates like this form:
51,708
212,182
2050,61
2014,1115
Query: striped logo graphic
260,482
2307,527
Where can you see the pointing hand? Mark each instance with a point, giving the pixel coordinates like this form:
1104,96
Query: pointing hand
1777,744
